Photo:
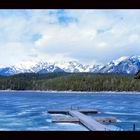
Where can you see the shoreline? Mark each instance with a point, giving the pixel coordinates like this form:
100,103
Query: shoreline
68,91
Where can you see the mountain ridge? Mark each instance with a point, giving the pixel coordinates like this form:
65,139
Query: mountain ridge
123,65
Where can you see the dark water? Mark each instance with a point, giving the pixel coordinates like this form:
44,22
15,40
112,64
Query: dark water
28,110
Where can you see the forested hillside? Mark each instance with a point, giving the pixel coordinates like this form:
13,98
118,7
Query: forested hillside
137,75
70,81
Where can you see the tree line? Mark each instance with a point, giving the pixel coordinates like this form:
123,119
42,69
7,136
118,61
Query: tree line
70,81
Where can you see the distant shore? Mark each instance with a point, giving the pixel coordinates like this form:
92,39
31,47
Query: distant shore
91,92
71,83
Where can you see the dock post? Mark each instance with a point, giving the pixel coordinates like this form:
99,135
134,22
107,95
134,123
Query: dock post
134,127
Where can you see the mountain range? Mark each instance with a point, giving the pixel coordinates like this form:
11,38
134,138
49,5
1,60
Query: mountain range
123,65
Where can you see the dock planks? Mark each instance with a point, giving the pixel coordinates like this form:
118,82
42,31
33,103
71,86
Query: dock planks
76,120
65,111
58,111
89,122
93,124
65,120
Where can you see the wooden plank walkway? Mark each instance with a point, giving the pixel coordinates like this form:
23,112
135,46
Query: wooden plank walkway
87,110
77,120
66,120
58,111
65,111
93,124
89,122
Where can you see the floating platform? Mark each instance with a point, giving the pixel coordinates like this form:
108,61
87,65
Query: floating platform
66,111
105,119
65,120
89,122
58,111
77,120
92,124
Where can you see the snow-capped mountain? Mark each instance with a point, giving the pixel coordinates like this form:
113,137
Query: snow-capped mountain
128,65
7,71
71,66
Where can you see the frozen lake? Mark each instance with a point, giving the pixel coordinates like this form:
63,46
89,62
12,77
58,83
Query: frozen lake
28,110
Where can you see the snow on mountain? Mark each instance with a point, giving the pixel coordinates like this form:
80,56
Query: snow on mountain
116,62
7,71
129,65
71,66
93,68
24,66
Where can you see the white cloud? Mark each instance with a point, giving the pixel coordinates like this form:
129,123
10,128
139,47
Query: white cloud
102,44
134,38
89,36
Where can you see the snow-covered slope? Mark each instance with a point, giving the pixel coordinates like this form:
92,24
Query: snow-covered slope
7,71
71,66
129,65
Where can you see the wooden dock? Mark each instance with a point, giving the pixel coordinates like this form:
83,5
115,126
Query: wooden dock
77,120
66,120
66,111
58,111
93,124
89,122
105,119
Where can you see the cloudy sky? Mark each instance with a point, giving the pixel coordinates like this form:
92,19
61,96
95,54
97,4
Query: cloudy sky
88,36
